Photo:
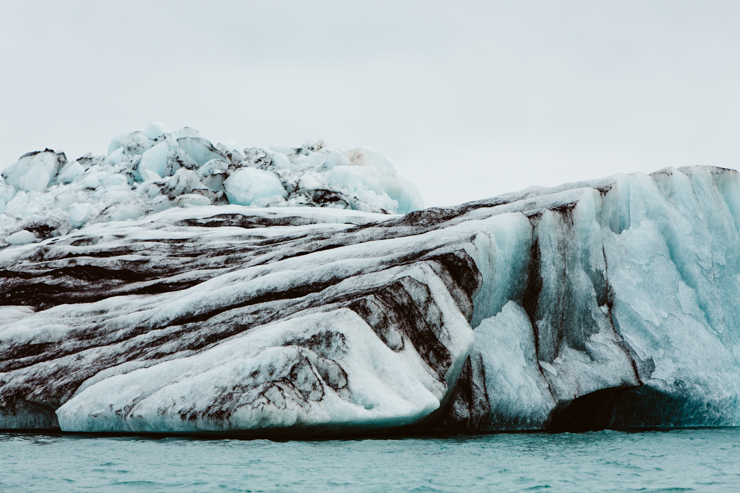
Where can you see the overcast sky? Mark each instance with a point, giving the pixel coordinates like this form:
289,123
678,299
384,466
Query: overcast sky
467,99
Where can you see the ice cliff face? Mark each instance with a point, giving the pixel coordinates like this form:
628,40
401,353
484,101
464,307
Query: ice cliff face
610,303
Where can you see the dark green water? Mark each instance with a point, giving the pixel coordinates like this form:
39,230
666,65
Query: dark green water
680,460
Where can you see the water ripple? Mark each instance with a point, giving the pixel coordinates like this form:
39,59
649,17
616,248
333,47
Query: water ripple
679,460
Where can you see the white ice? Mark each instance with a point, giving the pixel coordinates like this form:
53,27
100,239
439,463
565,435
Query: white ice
150,170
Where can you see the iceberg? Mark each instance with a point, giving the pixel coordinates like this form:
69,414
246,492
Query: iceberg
227,295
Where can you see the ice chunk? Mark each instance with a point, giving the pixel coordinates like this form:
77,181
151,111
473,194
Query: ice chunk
154,130
115,181
191,199
373,179
18,206
335,158
21,238
306,160
93,178
35,170
64,200
117,142
281,161
79,213
7,192
230,151
231,145
36,179
136,143
7,223
183,182
313,145
310,181
125,212
200,150
213,167
70,172
149,175
155,160
213,173
247,185
115,157
257,158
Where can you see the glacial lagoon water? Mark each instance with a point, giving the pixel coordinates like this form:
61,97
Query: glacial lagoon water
677,460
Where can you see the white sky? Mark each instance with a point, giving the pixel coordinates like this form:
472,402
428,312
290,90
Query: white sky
467,99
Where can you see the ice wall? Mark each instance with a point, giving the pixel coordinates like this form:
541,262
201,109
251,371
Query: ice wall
612,305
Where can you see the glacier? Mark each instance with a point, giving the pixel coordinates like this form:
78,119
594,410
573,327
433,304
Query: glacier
240,304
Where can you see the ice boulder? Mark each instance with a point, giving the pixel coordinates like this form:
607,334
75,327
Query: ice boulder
21,238
249,186
199,149
154,160
35,170
136,143
191,199
125,212
79,213
379,187
71,171
335,158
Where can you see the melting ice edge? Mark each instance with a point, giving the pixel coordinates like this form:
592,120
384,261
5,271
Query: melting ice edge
611,303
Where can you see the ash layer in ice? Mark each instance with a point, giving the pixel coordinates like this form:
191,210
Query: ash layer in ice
148,171
609,303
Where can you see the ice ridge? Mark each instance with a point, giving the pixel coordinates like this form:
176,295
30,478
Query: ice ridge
151,170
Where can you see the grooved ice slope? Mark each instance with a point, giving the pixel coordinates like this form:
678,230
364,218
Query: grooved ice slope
609,303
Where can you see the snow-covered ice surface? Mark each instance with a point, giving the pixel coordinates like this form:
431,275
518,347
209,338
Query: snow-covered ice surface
608,303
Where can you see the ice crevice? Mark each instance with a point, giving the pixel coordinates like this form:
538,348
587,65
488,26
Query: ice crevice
149,291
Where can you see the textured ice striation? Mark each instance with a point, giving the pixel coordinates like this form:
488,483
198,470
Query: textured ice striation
151,170
612,303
